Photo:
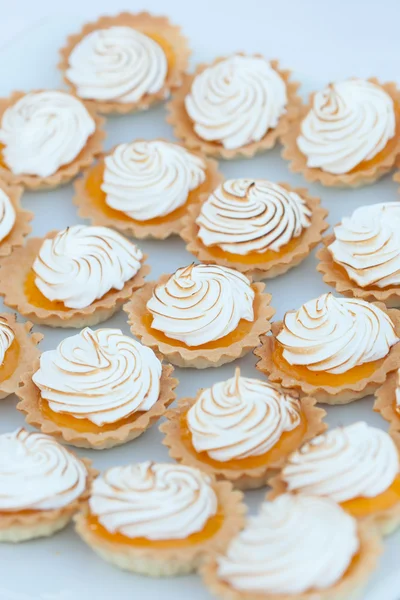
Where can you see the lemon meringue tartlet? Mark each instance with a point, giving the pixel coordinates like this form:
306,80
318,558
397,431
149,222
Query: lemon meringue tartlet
298,547
361,259
236,106
72,278
159,519
356,466
14,220
241,429
334,349
387,403
125,62
42,485
98,389
348,134
145,188
201,316
260,228
46,138
18,351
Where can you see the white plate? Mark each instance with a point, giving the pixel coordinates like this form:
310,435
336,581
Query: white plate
62,567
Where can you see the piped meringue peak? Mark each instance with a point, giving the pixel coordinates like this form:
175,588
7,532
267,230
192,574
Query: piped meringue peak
236,101
103,376
349,122
7,215
81,264
295,544
336,334
241,417
201,303
7,337
150,179
153,500
117,63
343,464
43,131
367,245
37,473
245,215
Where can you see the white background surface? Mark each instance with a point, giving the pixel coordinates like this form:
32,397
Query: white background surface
320,41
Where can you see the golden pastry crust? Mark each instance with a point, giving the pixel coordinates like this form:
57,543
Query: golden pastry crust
167,562
183,126
161,229
64,174
348,588
14,271
325,393
245,478
309,238
336,276
29,404
183,356
21,227
147,24
385,404
23,526
298,161
385,521
28,353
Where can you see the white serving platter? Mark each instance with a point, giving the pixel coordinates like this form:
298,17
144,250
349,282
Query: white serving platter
62,567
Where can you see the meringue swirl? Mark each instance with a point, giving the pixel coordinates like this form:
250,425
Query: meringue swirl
295,544
37,473
7,336
43,131
118,64
81,264
245,215
241,417
201,303
102,375
336,334
344,463
349,122
367,245
7,215
146,180
236,101
153,500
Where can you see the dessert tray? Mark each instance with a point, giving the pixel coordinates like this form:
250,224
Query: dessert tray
62,567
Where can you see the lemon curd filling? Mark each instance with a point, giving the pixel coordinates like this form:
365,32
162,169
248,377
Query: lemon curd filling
288,441
11,359
363,507
254,258
211,527
302,373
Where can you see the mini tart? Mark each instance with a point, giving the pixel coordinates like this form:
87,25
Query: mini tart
21,227
363,174
246,473
62,427
348,588
270,263
237,344
28,525
66,172
168,36
20,355
167,557
183,125
23,525
385,404
293,376
91,202
16,278
382,510
336,276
